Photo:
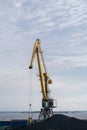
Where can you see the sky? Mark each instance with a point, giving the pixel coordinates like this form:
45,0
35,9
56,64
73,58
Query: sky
61,26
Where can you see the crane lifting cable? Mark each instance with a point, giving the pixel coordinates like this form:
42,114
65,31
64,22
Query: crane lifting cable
30,118
47,103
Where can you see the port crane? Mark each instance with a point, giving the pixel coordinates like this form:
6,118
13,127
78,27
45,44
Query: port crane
47,103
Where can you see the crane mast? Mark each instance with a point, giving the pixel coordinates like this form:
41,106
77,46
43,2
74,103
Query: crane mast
47,102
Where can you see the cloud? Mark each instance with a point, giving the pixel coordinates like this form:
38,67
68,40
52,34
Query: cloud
68,93
68,62
61,26
53,15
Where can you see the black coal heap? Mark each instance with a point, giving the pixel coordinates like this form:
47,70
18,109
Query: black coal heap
57,122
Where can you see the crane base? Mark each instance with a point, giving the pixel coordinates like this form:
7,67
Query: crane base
45,113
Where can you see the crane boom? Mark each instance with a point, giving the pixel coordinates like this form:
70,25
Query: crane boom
37,51
36,45
47,103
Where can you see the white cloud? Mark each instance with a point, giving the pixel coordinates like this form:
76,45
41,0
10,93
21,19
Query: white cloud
61,26
60,14
69,93
71,61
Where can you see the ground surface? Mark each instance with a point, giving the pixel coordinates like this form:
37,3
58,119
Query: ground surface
57,122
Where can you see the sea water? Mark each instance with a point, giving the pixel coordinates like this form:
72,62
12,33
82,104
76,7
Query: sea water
25,115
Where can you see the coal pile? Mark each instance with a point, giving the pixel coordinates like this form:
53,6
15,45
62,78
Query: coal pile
56,122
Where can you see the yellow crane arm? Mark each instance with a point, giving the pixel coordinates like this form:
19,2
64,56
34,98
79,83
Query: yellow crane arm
47,102
36,44
37,51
